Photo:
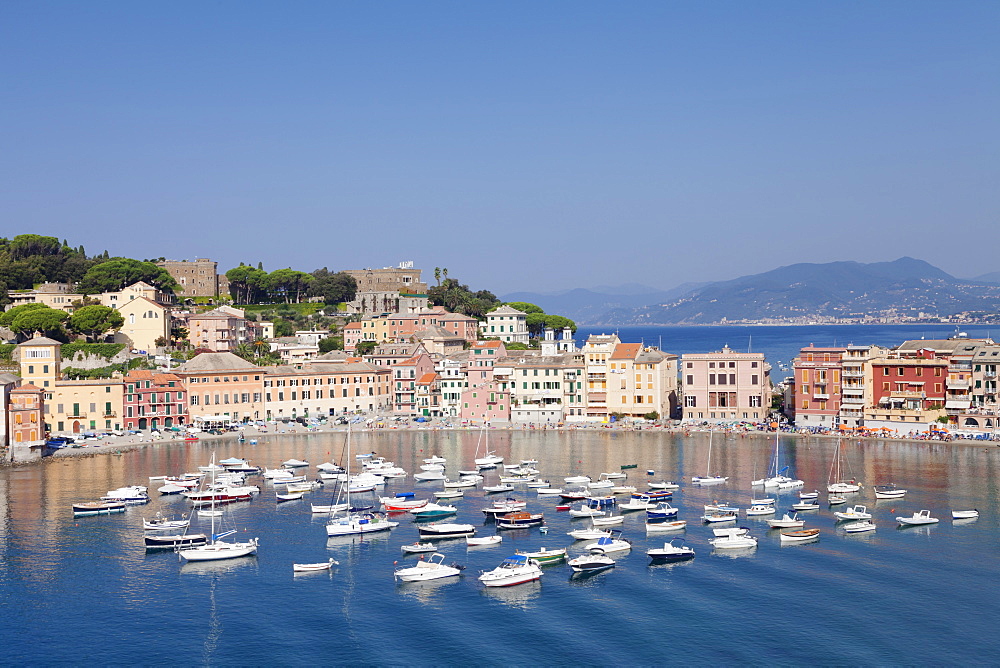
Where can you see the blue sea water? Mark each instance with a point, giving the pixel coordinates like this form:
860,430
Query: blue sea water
778,343
84,590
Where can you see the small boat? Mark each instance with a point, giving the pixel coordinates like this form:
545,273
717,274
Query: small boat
661,511
766,501
654,495
401,505
671,552
563,506
760,509
592,533
664,484
889,492
734,541
483,540
918,518
335,508
432,569
573,495
160,523
495,489
426,476
799,535
415,548
98,508
586,511
612,543
730,531
809,495
591,563
157,542
433,510
642,503
449,494
709,478
716,516
663,527
209,513
807,504
435,459
834,500
446,530
294,463
514,570
602,501
623,489
964,514
459,484
859,527
628,466
787,522
577,480
519,520
312,568
171,488
609,521
291,496
546,556
548,491
721,507
855,513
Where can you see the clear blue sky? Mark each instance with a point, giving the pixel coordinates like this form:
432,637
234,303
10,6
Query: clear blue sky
523,145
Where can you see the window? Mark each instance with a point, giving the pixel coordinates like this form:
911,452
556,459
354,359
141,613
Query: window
690,401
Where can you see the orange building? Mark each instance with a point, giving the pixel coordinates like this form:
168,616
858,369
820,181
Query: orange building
26,415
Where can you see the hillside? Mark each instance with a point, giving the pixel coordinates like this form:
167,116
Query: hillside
587,306
801,292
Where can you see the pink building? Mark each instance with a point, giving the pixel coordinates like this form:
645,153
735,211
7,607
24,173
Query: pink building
405,375
725,386
218,331
485,403
482,357
352,335
818,386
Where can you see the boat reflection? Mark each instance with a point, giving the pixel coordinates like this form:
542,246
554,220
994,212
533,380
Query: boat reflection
736,554
426,591
219,567
518,596
963,522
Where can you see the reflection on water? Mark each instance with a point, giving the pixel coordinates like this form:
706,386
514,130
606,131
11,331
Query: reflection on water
964,522
735,554
517,596
221,567
426,591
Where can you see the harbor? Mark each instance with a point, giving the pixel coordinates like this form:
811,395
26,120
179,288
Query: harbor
92,578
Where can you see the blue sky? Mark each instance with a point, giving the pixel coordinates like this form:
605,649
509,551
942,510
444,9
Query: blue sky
523,145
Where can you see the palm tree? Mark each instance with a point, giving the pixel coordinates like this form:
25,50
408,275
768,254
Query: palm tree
437,275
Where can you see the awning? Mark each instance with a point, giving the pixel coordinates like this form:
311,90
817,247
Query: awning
957,403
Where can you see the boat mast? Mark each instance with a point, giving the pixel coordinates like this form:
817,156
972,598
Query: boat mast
708,466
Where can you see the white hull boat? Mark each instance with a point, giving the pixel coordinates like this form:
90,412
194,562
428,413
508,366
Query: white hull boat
759,510
671,552
358,524
889,493
432,569
219,550
591,563
428,476
664,484
663,527
787,522
964,514
799,535
855,513
609,521
860,527
483,540
590,534
734,542
446,530
313,568
548,491
316,509
918,518
586,511
416,548
514,570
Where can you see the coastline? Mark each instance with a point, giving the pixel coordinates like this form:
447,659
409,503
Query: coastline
121,444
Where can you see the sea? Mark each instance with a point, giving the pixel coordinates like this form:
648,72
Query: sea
84,590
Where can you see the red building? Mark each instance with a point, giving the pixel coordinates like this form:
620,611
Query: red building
154,400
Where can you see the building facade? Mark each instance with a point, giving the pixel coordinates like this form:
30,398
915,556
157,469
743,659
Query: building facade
154,401
223,386
725,386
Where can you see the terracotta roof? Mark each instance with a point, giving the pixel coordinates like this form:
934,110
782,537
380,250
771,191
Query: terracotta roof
27,387
427,379
626,351
410,362
352,325
486,344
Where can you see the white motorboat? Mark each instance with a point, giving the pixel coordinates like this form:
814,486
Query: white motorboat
431,569
661,511
577,480
449,494
709,478
760,509
664,484
160,523
859,527
496,489
766,501
964,514
855,513
834,500
320,509
426,476
329,467
799,535
730,531
483,540
918,518
294,463
664,527
787,522
642,503
721,507
210,513
623,489
514,570
586,511
312,568
609,521
591,533
416,548
591,563
548,491
394,504
806,504
435,459
608,544
715,516
537,484
671,551
889,492
600,484
809,495
432,467
734,541
616,475
446,530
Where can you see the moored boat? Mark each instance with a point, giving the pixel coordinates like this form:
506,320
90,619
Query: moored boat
799,535
591,563
671,551
514,570
787,522
446,530
663,527
312,568
918,518
432,569
98,508
155,542
546,556
964,514
483,540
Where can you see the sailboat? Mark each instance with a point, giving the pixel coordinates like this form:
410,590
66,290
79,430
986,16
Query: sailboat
777,478
708,478
837,484
490,459
352,523
216,548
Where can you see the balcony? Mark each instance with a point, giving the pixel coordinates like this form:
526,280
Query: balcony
851,373
110,415
907,394
821,396
853,400
597,397
599,377
79,416
958,384
854,390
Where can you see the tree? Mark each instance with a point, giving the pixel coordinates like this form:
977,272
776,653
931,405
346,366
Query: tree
95,320
283,328
46,320
27,245
364,348
457,298
525,307
331,343
246,284
289,282
7,317
334,288
119,272
437,275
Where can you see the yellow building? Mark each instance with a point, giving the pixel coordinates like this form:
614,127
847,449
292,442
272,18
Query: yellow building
145,322
641,380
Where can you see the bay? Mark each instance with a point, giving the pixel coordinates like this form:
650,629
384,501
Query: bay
84,590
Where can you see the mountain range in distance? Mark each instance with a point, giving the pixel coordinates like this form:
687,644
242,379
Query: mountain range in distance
902,290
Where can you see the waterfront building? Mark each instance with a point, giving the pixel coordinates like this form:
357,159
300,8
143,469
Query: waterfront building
725,386
322,388
404,382
641,380
485,403
25,411
856,383
982,416
197,278
596,353
223,386
154,400
452,381
429,395
507,324
8,382
908,394
543,388
818,389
